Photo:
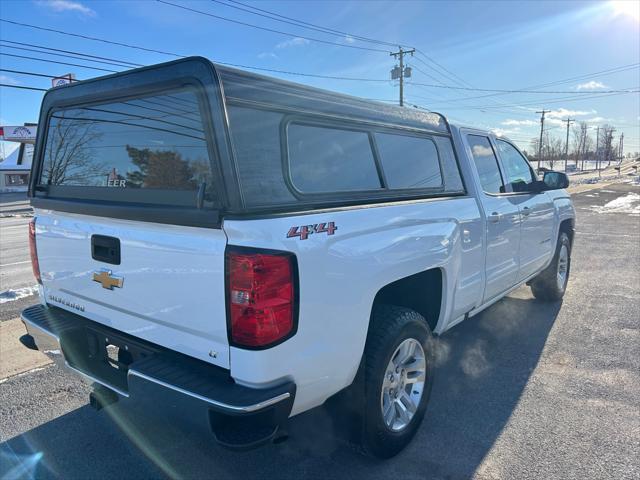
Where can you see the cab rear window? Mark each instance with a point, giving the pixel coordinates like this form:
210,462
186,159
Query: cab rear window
130,150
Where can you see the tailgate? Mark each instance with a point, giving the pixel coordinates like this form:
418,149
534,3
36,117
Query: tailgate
168,288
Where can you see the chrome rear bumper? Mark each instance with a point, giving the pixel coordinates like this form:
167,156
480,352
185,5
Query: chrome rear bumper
153,374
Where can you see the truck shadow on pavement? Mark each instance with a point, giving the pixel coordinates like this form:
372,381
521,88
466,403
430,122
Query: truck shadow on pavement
484,365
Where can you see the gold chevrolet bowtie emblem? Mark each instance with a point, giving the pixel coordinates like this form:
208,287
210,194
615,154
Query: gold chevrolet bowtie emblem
104,278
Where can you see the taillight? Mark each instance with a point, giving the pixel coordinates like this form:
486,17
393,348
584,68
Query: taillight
261,296
34,251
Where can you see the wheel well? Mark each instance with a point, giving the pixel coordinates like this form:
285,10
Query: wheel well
421,292
567,226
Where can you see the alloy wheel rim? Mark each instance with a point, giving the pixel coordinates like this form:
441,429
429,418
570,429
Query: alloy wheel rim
403,385
563,267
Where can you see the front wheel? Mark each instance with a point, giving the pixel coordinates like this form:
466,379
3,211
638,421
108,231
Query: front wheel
551,283
398,378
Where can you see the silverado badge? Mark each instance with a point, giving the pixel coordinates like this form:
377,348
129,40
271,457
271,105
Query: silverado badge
107,280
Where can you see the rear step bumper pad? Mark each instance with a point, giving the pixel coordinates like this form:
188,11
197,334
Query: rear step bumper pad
239,416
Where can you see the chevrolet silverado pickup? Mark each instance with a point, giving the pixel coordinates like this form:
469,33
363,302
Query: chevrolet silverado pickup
243,249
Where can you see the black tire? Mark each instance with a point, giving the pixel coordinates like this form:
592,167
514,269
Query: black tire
390,326
546,286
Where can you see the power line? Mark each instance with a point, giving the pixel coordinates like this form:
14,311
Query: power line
33,74
225,63
415,67
59,63
590,75
512,112
448,74
538,102
300,23
64,55
72,52
6,85
136,47
456,78
87,37
611,71
272,70
501,105
238,22
516,91
121,63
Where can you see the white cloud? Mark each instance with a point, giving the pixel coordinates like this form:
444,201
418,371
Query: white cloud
592,85
293,42
67,6
598,120
511,122
264,55
482,151
563,113
500,132
8,80
349,39
505,132
553,121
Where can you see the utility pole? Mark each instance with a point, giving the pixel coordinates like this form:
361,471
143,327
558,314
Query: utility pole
541,132
402,72
566,147
609,145
598,150
621,147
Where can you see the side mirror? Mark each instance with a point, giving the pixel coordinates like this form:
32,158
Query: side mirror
555,180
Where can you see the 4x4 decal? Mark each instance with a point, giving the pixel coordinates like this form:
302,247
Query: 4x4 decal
305,230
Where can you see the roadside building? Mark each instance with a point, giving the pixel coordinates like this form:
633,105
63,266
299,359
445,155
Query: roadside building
16,168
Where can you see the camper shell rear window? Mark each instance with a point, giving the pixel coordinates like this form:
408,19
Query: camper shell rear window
150,150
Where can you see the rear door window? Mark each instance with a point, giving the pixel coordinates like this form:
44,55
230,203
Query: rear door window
151,149
409,162
486,163
324,159
518,172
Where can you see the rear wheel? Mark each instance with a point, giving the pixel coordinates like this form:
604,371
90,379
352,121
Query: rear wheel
551,283
398,378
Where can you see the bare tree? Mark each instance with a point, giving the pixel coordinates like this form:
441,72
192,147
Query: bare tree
534,143
582,142
68,160
606,144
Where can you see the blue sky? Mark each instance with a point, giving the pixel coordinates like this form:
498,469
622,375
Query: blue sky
489,45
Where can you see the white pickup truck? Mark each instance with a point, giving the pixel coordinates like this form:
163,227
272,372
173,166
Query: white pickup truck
241,249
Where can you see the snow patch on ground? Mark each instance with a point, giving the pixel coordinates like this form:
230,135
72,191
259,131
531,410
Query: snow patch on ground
634,181
630,204
11,295
16,215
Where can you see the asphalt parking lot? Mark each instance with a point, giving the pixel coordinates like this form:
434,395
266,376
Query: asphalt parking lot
524,390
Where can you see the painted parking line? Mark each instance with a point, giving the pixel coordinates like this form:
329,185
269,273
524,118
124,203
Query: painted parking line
14,263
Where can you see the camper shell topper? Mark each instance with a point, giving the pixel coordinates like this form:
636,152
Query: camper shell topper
186,141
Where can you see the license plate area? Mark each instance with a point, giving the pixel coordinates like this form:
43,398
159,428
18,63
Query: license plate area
103,355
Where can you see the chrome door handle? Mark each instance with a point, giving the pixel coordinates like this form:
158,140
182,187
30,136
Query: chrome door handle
495,217
526,211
